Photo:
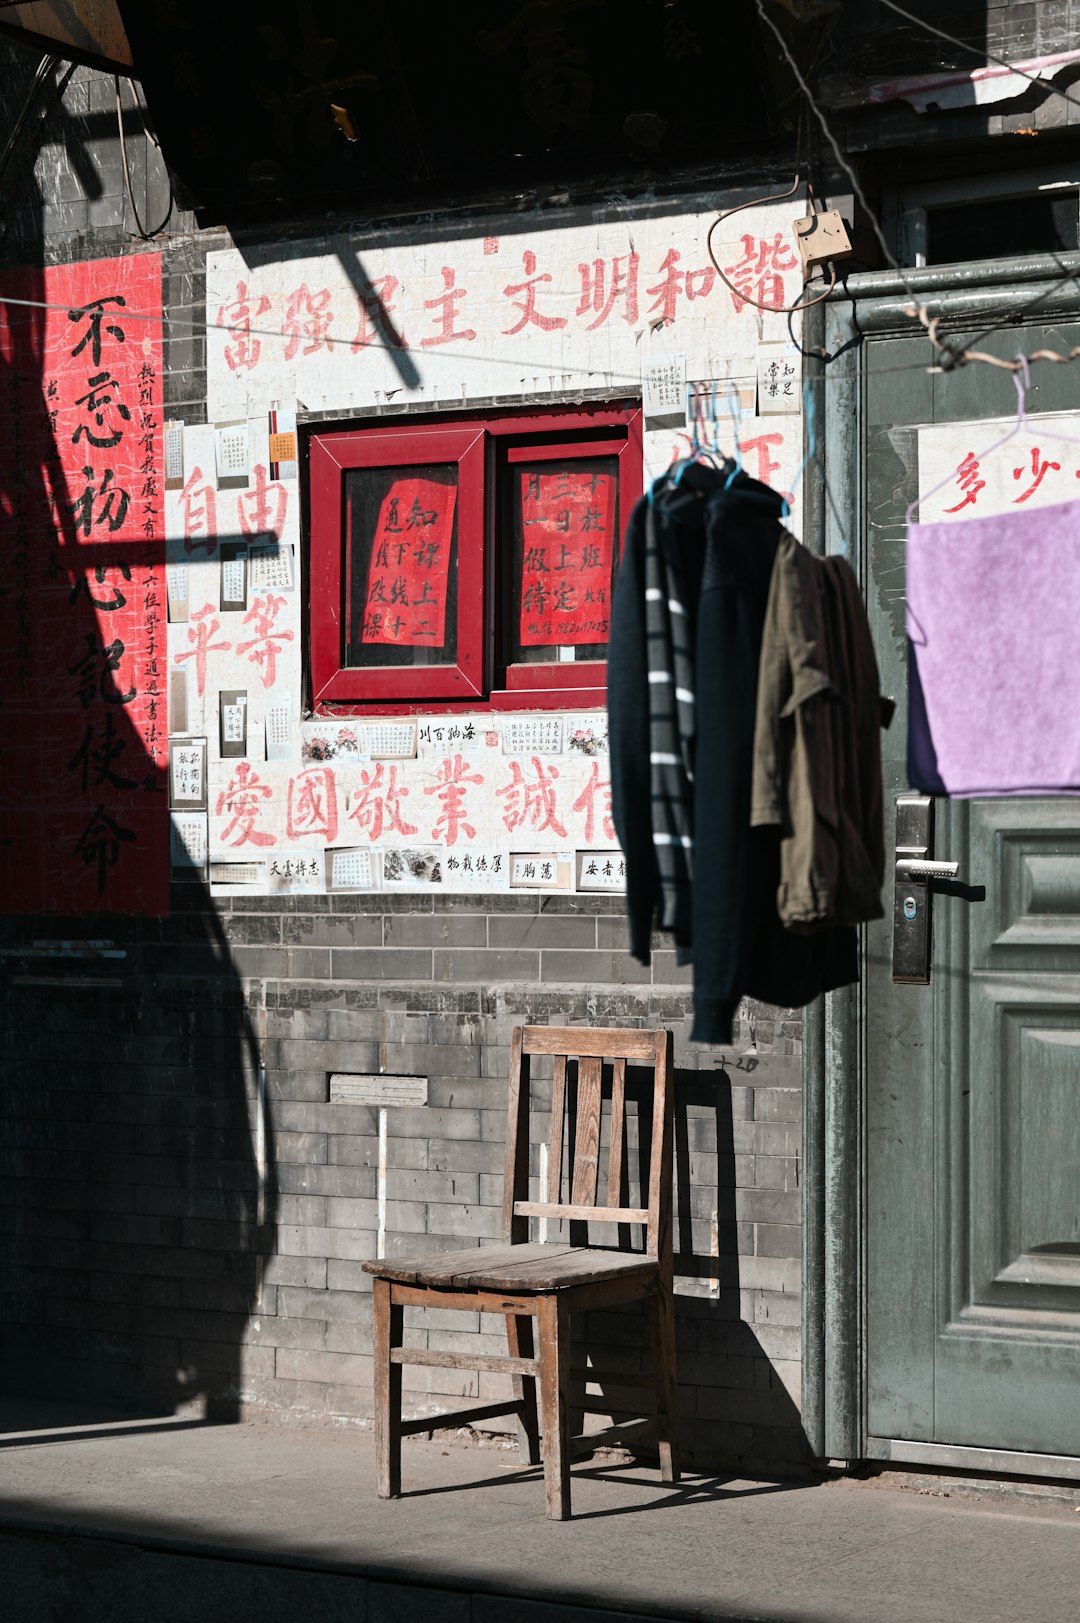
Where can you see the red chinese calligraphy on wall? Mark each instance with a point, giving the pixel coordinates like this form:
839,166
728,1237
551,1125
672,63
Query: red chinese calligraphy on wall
83,810
568,523
408,574
312,805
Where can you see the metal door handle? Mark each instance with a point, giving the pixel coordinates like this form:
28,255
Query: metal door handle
912,893
915,868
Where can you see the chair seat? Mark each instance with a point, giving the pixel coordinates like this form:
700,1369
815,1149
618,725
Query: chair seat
537,1266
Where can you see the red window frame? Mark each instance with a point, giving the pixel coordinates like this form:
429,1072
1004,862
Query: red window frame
479,444
555,684
331,458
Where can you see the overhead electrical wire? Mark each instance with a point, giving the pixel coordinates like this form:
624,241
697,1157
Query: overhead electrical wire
140,232
979,51
954,357
918,310
555,368
860,195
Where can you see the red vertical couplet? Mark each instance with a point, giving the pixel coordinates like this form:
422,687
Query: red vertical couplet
410,565
567,521
83,732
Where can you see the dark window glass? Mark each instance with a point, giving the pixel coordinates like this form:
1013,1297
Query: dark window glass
401,583
1019,225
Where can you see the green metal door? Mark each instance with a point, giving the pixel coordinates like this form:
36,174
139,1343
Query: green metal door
951,1116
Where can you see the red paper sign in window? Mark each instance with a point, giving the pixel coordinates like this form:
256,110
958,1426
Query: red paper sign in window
567,526
410,564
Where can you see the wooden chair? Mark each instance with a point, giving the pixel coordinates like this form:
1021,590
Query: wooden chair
546,1281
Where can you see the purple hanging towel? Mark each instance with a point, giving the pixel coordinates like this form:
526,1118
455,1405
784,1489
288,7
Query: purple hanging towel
993,621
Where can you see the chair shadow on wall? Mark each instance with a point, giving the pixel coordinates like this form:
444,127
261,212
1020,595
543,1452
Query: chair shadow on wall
137,1198
733,1404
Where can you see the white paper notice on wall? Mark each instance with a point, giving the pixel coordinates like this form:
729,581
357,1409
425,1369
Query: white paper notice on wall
187,773
778,379
413,868
329,741
533,735
230,877
477,869
1029,470
278,732
188,840
601,870
270,565
233,578
663,391
351,869
297,871
233,722
455,733
176,589
233,454
541,870
388,740
587,734
174,454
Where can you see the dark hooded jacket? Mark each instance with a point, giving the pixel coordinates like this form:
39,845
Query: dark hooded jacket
719,536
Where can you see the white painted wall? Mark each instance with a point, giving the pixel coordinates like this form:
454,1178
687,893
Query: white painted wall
534,315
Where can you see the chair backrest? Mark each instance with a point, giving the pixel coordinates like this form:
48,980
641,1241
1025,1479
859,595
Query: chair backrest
590,1048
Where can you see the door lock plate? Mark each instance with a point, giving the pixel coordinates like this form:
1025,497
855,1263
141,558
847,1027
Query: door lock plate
911,932
912,904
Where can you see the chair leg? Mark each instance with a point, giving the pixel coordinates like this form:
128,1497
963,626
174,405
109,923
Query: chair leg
519,1344
662,1339
389,1330
553,1327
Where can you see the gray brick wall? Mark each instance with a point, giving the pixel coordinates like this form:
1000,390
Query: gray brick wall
162,1245
144,1261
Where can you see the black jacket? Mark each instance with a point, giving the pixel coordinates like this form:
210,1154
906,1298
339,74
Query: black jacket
726,541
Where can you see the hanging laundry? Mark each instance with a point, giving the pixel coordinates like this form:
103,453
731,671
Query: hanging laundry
817,753
992,610
712,536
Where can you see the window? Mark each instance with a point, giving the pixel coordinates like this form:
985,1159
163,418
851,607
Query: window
468,562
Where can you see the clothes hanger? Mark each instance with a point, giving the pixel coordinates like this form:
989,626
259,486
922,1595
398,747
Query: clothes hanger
1043,433
699,448
732,405
1021,381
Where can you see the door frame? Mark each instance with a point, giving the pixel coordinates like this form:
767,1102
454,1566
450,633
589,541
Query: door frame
834,1376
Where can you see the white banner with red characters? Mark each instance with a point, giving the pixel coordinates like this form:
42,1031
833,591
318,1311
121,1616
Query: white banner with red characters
465,796
959,477
511,316
521,317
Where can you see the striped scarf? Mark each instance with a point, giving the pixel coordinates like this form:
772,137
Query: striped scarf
672,725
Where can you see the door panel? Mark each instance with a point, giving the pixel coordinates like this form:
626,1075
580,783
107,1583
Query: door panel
972,1099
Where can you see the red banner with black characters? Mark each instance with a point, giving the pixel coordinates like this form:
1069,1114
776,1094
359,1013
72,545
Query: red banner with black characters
410,561
84,823
567,519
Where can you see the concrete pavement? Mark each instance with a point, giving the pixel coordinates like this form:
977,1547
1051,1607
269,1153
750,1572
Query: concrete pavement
167,1520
